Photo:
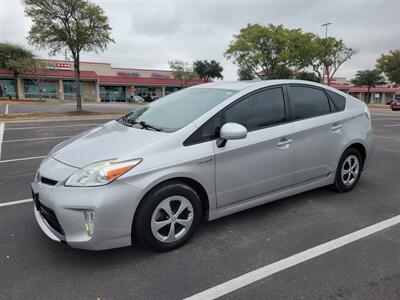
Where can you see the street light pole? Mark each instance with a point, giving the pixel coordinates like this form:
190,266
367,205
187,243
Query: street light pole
326,28
325,71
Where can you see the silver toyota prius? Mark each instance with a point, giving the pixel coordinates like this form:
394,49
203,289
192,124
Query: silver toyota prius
203,152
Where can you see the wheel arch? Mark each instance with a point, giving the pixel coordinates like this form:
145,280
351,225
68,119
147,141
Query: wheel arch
193,183
360,147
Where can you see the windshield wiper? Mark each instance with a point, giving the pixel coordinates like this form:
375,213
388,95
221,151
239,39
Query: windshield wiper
144,125
148,126
125,121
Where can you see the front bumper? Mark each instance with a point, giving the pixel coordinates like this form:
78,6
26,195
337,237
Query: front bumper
113,205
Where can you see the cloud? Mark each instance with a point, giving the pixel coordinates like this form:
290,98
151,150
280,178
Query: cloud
149,33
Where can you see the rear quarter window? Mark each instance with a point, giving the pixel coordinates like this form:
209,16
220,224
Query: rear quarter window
338,100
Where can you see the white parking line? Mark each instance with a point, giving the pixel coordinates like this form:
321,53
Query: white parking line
36,139
56,126
16,202
6,111
1,135
392,125
19,159
268,270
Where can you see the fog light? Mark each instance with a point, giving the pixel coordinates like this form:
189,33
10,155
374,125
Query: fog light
89,221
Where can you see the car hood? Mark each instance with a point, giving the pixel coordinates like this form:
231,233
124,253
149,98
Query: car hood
109,141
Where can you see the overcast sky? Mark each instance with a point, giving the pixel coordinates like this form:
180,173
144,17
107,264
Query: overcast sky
149,33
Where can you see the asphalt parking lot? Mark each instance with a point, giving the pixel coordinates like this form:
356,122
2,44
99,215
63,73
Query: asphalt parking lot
34,267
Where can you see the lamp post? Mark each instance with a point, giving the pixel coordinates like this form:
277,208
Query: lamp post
326,28
325,71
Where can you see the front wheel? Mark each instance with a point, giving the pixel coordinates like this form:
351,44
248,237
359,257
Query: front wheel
168,216
348,171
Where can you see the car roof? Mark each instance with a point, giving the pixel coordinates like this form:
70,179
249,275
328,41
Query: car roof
241,85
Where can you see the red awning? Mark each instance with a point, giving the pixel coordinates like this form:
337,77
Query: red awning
377,89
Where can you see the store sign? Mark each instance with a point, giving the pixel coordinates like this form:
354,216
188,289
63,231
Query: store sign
58,65
63,66
130,74
159,75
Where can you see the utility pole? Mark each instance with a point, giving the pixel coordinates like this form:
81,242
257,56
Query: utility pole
325,70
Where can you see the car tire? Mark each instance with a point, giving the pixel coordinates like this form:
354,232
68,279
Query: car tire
348,171
159,225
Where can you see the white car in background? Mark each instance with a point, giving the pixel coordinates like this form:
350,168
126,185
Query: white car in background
135,98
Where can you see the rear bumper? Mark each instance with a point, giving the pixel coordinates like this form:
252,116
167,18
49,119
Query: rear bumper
370,148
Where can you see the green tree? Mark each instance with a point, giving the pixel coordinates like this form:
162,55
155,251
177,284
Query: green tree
208,70
76,25
370,78
17,59
390,65
182,71
309,76
327,55
245,73
269,51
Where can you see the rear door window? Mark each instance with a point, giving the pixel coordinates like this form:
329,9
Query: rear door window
308,102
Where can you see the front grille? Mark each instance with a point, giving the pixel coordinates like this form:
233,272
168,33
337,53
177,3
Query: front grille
48,181
51,218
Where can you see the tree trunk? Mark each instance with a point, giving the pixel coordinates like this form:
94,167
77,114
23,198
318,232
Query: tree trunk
16,85
77,83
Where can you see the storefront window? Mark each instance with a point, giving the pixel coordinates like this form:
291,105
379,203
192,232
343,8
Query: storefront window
7,89
42,90
377,98
112,93
70,90
144,91
170,90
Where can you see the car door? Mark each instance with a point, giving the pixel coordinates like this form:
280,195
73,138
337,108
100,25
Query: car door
317,133
263,162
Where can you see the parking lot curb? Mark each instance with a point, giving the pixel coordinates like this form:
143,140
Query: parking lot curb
60,119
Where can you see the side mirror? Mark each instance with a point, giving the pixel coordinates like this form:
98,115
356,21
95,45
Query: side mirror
231,131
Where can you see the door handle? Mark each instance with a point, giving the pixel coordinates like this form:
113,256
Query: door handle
336,127
284,142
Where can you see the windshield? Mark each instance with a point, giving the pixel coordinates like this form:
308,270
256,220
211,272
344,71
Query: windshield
176,110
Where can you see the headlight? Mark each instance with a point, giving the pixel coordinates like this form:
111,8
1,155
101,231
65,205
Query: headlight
101,173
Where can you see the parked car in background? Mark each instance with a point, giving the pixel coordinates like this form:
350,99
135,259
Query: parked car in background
203,152
135,98
149,98
395,105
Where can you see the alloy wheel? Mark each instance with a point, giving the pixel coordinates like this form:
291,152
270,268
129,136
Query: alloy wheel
350,170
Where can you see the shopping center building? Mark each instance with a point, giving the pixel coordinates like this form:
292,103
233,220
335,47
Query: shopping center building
382,94
99,82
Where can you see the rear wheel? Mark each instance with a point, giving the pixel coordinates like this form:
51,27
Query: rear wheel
168,216
348,171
